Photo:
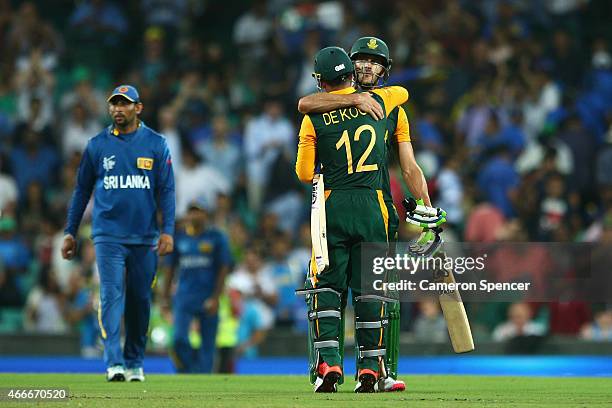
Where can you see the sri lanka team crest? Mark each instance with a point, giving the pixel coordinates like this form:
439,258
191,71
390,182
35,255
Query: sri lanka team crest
123,89
144,163
372,44
205,246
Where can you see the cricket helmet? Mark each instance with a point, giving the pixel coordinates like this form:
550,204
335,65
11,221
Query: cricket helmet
374,47
331,63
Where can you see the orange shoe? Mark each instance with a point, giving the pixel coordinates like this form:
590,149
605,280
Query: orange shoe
328,377
366,380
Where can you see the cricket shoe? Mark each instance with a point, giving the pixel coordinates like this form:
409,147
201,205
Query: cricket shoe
135,374
115,373
390,385
366,381
327,380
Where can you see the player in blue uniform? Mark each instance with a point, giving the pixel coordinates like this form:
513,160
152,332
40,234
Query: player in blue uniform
128,168
202,258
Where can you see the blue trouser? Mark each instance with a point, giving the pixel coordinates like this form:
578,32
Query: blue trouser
190,360
126,276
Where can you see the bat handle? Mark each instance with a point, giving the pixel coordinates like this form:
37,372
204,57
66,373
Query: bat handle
409,204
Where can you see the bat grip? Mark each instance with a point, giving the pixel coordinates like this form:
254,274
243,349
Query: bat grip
411,205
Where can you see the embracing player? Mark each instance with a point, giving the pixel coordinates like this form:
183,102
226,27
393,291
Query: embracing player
372,61
349,148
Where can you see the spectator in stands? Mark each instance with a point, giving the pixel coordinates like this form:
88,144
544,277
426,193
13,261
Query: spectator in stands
251,33
519,323
474,118
15,256
77,129
63,192
568,58
32,211
6,16
259,294
154,61
496,134
83,93
484,223
166,13
192,105
310,46
197,179
554,207
222,152
99,21
544,96
265,138
601,327
603,172
29,32
583,146
44,306
284,197
498,181
8,189
568,317
451,191
284,281
167,120
239,237
35,98
430,326
10,295
33,161
224,214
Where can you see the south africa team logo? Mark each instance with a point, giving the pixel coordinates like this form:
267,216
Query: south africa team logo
108,163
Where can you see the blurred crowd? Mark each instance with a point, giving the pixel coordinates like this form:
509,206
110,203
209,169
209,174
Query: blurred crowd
510,111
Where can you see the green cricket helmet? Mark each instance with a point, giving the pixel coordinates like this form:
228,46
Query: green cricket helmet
331,63
371,46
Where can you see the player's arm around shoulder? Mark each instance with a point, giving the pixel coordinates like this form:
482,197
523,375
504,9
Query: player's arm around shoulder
307,145
324,102
392,96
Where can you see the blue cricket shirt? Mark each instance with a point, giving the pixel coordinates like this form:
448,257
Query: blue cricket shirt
199,258
131,177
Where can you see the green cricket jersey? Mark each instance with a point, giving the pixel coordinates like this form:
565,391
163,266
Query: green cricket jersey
348,143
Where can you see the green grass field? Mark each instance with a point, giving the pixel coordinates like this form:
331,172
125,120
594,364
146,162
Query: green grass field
88,390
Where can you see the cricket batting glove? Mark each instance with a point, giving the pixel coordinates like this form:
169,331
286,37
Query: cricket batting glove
423,216
428,218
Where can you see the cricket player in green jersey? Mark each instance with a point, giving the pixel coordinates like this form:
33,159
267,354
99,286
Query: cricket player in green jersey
348,146
372,62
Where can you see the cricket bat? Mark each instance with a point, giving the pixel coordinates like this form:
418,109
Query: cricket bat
318,224
454,313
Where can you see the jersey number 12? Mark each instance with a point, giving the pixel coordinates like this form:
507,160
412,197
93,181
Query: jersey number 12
345,140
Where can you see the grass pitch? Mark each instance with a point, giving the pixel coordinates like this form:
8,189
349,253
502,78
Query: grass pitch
90,390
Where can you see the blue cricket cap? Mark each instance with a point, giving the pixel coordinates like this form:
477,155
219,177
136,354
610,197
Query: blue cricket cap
127,91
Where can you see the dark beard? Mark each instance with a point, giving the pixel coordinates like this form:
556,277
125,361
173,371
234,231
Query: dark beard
125,125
